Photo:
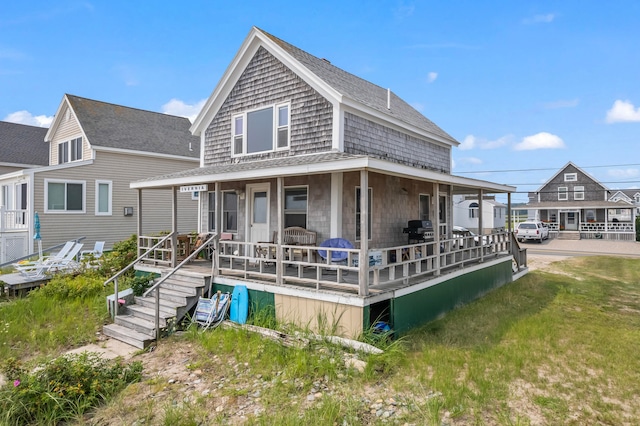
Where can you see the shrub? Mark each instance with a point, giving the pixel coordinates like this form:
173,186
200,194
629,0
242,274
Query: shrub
71,287
63,389
139,284
123,253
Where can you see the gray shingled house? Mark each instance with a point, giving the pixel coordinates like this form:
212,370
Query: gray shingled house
575,206
91,153
288,141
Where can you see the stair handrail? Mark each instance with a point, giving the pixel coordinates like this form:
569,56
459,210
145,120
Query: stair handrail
129,266
156,286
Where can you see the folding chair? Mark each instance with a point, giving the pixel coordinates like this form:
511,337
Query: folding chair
211,312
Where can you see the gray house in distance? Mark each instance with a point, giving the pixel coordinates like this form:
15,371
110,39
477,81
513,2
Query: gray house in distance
575,205
92,151
297,155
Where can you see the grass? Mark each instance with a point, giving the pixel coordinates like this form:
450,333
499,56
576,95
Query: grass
551,348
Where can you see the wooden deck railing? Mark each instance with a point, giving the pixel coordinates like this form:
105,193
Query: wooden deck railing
13,220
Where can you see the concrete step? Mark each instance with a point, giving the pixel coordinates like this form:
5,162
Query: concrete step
127,335
144,326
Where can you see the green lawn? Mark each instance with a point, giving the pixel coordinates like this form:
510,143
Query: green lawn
555,347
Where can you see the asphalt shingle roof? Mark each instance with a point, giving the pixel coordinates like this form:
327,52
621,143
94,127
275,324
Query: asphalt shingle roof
117,126
22,144
361,90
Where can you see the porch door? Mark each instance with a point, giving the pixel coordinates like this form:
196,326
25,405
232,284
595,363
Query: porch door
571,221
258,212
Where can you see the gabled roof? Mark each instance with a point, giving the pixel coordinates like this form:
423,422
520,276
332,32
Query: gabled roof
22,144
335,84
577,168
118,127
620,195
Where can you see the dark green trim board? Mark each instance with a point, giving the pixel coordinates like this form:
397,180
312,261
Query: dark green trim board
425,305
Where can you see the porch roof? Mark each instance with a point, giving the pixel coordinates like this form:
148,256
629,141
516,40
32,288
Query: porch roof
327,162
563,205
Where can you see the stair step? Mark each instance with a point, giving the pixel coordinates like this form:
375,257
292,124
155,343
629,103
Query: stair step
149,314
138,324
192,289
165,305
177,296
187,279
127,335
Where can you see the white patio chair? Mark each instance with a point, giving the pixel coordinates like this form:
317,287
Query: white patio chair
94,254
28,267
65,264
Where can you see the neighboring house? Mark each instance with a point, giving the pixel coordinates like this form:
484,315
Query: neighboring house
288,139
466,213
631,196
576,205
93,151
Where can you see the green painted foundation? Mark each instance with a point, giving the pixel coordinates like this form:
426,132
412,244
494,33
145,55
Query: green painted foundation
425,305
258,300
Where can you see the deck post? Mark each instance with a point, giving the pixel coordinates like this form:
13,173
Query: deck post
436,227
217,226
363,256
509,214
480,229
278,241
174,225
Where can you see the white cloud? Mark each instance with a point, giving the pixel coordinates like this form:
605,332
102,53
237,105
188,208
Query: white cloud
181,109
471,142
623,111
431,77
624,173
25,117
540,19
542,140
563,103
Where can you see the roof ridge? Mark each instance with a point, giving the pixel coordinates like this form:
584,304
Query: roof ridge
124,106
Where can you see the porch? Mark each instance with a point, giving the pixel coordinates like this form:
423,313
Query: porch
14,234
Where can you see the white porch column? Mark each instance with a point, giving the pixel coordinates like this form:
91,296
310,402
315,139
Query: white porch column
280,213
509,215
436,227
363,258
174,225
217,225
336,205
139,220
480,222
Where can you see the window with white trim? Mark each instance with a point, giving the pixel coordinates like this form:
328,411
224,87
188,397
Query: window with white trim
70,151
260,130
570,177
295,206
563,193
212,211
64,196
578,193
103,197
369,230
473,210
229,211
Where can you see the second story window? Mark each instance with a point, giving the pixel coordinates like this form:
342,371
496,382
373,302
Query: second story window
578,192
261,130
563,193
70,151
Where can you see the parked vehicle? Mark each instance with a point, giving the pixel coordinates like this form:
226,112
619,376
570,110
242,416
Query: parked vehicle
532,230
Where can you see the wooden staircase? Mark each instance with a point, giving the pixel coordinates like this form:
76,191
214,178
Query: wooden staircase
178,295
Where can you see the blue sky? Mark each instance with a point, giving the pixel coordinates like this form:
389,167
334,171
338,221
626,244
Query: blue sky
525,86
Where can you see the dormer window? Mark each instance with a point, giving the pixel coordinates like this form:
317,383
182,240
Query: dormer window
570,177
70,151
261,130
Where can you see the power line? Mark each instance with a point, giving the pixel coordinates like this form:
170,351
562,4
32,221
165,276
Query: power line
613,181
545,169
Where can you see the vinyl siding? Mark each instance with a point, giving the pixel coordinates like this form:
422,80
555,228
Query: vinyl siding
67,130
265,82
121,169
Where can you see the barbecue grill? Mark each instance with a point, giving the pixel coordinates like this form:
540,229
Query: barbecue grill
419,231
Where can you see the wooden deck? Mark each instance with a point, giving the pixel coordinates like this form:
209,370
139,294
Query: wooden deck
16,284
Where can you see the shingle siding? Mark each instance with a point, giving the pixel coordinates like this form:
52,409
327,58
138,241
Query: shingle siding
362,136
593,191
265,82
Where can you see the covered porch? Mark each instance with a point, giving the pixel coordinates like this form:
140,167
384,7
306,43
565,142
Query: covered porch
379,265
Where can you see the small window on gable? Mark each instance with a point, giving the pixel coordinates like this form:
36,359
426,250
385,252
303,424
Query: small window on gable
563,193
578,193
70,151
570,177
261,130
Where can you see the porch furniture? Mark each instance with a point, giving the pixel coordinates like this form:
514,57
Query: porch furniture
211,312
55,256
65,264
183,246
95,253
419,231
298,236
337,256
